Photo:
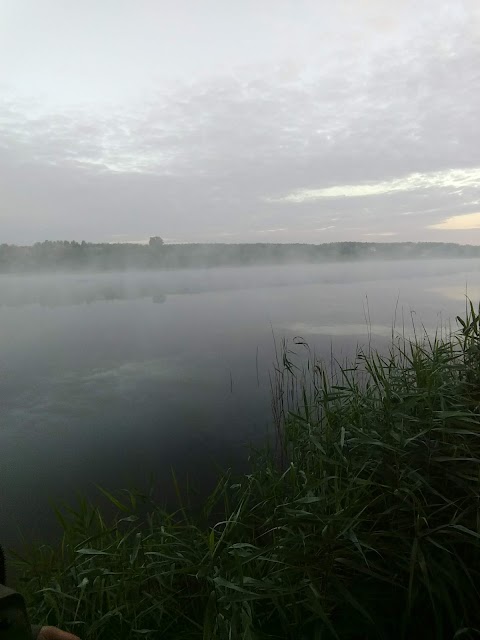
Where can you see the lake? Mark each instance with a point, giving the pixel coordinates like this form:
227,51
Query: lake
105,378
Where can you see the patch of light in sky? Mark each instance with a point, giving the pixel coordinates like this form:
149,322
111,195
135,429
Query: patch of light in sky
384,234
452,178
461,222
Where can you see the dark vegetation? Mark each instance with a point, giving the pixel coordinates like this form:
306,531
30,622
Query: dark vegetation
361,522
65,255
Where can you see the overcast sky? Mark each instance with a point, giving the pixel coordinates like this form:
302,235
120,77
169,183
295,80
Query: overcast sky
240,120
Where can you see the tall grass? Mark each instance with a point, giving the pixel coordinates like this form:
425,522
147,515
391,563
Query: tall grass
364,523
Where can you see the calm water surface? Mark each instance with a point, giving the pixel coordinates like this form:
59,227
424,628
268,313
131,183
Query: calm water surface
105,378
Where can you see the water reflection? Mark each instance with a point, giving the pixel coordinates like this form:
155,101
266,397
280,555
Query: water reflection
106,378
455,293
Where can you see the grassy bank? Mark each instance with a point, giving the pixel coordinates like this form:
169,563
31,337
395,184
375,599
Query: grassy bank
363,523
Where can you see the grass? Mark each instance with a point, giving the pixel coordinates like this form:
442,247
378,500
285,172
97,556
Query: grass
364,522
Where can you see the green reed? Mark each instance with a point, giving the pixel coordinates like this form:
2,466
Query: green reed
363,522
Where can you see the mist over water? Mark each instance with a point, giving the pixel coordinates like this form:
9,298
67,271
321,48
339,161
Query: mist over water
106,378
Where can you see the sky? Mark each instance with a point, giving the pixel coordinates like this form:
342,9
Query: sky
241,121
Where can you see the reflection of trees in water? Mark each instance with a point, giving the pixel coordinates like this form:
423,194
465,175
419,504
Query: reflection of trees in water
48,296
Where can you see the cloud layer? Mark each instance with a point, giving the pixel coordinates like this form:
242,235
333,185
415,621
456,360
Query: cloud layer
348,147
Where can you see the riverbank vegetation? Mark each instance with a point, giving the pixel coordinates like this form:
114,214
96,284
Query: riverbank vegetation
80,256
361,522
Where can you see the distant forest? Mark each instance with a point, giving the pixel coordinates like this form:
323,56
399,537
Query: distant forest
77,256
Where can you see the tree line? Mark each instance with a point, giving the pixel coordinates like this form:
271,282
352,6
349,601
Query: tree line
72,256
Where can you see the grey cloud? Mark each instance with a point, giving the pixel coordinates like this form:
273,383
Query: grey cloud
199,162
